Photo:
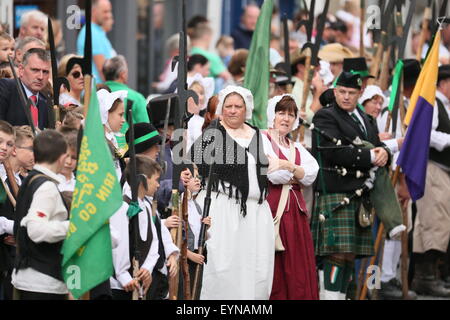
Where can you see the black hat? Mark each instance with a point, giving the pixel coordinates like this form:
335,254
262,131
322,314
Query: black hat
411,72
444,72
357,66
157,109
349,80
145,137
327,98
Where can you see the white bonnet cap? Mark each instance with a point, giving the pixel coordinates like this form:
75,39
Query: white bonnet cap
206,83
370,92
244,93
106,101
271,111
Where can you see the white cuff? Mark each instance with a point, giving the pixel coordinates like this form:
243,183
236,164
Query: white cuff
124,279
396,233
373,157
6,226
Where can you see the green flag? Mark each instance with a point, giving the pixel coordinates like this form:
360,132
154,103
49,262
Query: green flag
257,70
87,252
396,84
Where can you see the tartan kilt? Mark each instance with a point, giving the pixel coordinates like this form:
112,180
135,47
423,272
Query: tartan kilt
349,236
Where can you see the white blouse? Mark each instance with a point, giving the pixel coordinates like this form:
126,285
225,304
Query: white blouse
308,163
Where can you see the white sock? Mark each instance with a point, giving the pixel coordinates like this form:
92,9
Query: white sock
391,257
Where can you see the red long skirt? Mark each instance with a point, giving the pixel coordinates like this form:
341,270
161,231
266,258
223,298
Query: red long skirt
295,276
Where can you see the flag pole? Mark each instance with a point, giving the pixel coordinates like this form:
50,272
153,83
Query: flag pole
361,29
423,32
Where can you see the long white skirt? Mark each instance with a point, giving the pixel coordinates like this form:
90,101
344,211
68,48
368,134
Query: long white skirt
241,251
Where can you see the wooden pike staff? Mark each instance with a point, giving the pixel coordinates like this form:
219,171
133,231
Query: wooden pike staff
385,22
425,26
181,120
184,248
309,74
287,53
383,80
311,62
362,51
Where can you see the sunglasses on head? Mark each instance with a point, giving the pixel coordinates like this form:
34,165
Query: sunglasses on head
76,74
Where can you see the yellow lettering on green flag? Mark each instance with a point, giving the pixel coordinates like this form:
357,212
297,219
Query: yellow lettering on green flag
87,251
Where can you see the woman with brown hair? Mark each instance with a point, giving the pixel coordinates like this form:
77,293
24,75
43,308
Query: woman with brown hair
112,112
295,270
71,99
210,114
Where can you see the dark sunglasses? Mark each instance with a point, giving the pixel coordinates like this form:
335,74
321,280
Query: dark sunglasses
76,74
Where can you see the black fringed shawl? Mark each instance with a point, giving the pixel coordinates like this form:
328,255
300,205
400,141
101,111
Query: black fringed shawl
231,162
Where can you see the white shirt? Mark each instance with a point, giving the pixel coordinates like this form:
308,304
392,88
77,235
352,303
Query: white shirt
166,238
308,163
67,185
4,176
444,53
121,253
6,226
440,140
381,123
169,247
195,221
29,93
361,120
111,137
194,129
46,221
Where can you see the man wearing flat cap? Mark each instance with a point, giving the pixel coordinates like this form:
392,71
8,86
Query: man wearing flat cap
432,224
340,235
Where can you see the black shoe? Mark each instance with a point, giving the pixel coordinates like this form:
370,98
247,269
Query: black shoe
392,290
446,283
429,286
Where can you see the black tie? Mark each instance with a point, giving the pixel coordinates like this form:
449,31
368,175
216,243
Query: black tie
360,125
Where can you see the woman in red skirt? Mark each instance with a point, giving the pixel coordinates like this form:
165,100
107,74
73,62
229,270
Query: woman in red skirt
295,269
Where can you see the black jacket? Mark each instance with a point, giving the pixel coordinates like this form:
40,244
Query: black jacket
11,109
242,38
337,123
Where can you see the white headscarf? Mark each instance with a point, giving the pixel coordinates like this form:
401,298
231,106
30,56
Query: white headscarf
106,101
244,93
206,83
370,92
271,111
325,72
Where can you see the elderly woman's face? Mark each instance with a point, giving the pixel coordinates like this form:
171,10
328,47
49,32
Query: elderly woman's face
374,106
233,113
